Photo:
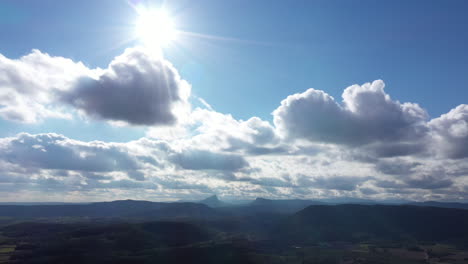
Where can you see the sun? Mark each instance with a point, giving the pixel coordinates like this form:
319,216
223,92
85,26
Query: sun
155,28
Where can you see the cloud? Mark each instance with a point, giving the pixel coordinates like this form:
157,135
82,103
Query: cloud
217,132
55,163
53,151
123,184
429,182
205,103
224,133
138,87
26,85
391,149
136,175
325,182
396,167
450,133
413,175
366,115
207,160
344,183
180,183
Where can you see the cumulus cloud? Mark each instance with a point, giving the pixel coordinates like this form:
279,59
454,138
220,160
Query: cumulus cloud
366,115
429,182
207,160
55,162
396,167
26,85
345,183
450,133
424,182
221,132
138,88
213,131
390,149
397,149
53,151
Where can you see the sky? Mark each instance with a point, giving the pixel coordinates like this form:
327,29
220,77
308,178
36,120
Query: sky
274,99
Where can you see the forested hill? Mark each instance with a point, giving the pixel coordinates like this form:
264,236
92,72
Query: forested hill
366,222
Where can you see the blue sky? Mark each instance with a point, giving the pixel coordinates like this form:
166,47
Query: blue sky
249,56
417,47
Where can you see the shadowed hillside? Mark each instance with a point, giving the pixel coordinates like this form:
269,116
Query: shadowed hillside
124,208
367,222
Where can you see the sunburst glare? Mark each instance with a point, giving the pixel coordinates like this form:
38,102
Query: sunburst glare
155,27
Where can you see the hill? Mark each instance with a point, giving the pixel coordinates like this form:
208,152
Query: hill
356,223
213,202
114,209
441,204
282,206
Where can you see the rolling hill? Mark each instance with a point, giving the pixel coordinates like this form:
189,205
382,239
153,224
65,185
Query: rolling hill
367,222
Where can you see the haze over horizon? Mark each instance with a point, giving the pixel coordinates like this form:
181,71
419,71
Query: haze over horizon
170,100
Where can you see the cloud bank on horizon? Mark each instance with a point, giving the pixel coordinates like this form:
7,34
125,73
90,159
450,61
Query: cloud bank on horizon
367,145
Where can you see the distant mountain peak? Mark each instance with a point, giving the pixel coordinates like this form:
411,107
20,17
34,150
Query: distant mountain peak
213,201
213,197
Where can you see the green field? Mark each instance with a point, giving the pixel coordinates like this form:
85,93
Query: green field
6,249
5,252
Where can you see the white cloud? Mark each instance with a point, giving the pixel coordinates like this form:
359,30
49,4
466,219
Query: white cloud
367,145
27,84
366,115
192,159
138,88
450,133
52,151
219,131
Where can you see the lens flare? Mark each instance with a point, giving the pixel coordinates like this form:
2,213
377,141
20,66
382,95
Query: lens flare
155,28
